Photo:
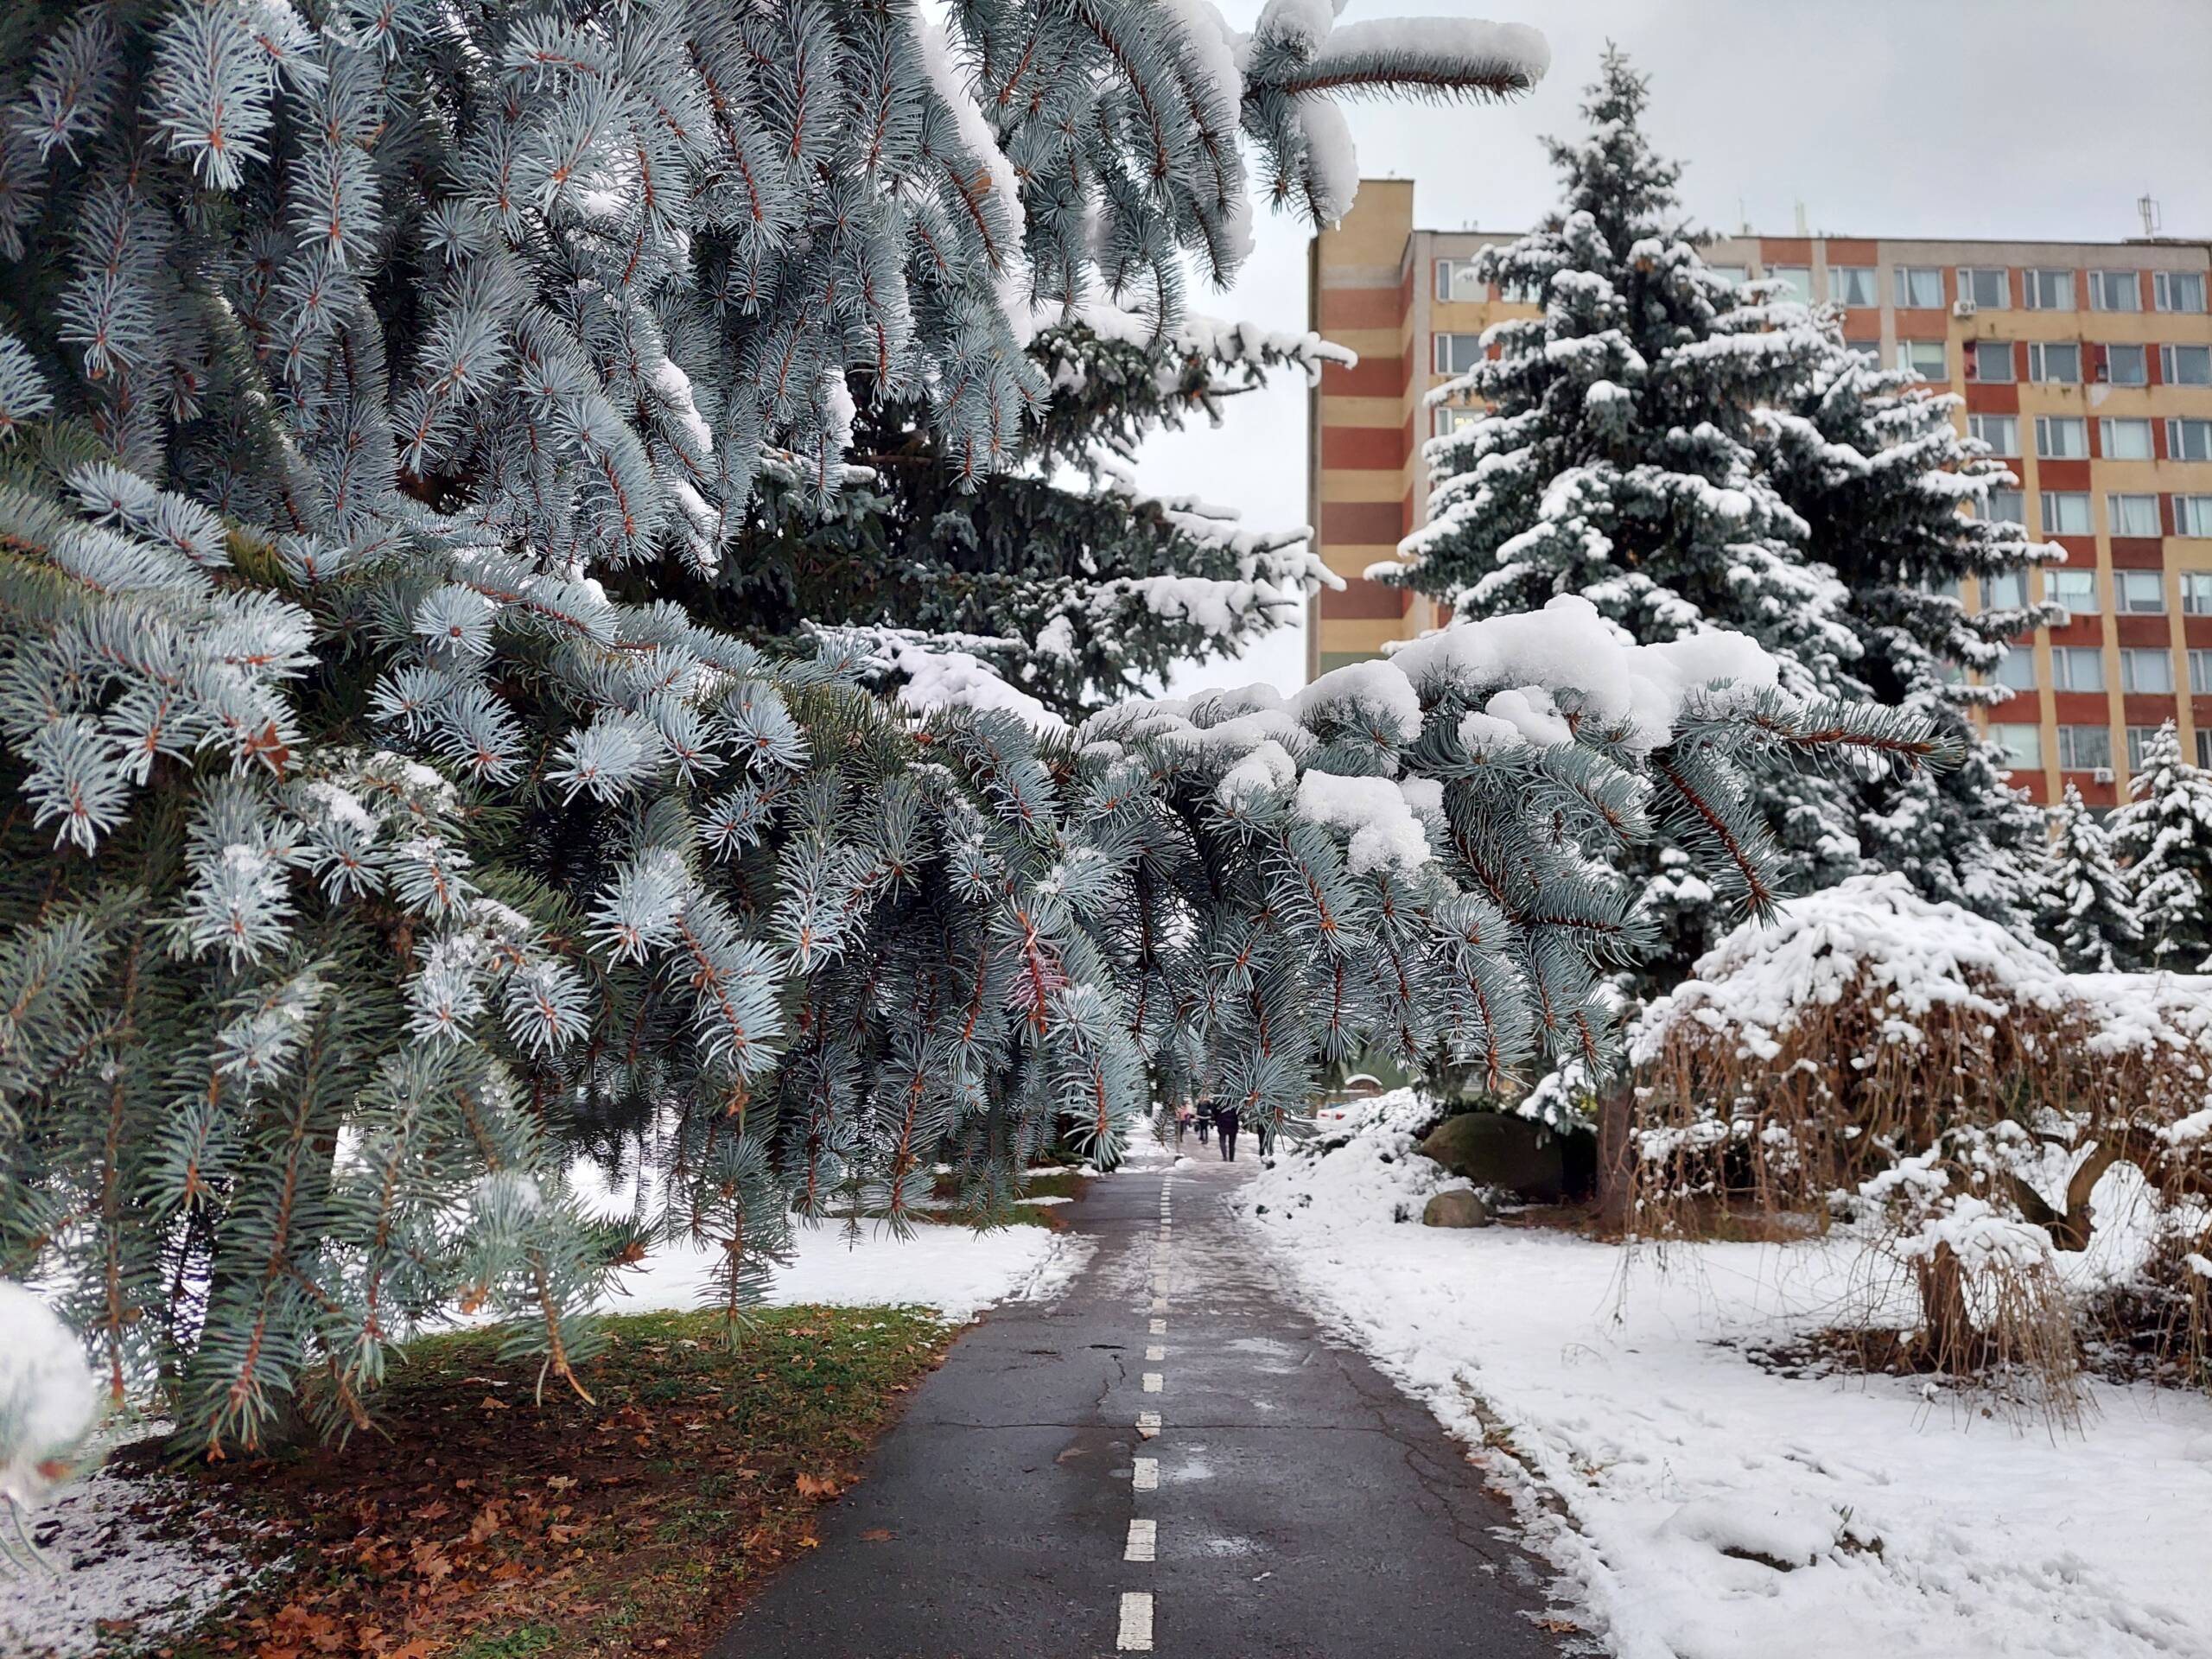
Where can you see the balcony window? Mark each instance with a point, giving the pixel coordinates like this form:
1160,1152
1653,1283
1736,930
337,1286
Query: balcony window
2066,512
2139,744
2054,363
2047,290
1456,354
2132,515
2204,748
2062,437
2000,432
2199,673
2075,590
2196,593
1852,285
2125,440
1454,417
2008,506
2139,593
2005,591
2185,366
2189,440
1456,280
2115,290
2146,673
2127,365
1868,351
1992,358
2085,748
1987,288
1731,274
2177,290
1920,287
2193,517
1923,357
2077,668
2021,746
2016,670
1797,279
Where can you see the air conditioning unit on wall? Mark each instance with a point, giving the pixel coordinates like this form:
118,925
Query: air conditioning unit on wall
2101,775
1963,308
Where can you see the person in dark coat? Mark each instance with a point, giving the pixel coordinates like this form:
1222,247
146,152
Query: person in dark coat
1267,1132
1224,1124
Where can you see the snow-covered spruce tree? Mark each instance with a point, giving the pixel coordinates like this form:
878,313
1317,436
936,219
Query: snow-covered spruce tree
2163,834
1069,582
1870,458
2086,910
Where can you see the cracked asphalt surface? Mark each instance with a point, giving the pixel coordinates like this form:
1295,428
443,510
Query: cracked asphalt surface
1305,1508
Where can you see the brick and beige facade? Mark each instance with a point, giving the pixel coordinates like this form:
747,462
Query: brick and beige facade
2087,365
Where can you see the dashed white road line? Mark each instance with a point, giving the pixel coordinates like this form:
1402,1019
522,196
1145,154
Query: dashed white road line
1156,1354
1144,1475
1144,1542
1135,1634
1153,1382
1148,1423
1160,1328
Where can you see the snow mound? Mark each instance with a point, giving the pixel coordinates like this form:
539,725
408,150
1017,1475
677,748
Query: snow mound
48,1400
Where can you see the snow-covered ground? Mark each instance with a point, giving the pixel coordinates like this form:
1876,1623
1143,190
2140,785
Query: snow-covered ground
1909,1526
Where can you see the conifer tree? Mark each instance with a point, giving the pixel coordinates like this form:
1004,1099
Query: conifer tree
2087,909
2163,834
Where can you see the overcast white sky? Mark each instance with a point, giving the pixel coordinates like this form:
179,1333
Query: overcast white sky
2026,118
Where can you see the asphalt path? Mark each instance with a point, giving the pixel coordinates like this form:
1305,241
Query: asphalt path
1169,1458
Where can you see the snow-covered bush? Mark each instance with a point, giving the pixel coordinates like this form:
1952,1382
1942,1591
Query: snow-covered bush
48,1405
1912,1065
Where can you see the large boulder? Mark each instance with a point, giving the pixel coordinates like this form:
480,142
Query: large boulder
1458,1208
1515,1154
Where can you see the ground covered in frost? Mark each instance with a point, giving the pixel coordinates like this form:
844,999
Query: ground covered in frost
1703,1505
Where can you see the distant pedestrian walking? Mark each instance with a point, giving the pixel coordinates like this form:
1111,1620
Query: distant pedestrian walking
1225,1122
1266,1129
1205,1121
1182,1118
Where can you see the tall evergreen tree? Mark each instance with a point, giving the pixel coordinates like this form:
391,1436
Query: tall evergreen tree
2087,909
2162,833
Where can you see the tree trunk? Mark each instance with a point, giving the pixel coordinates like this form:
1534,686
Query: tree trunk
1616,1168
1947,1325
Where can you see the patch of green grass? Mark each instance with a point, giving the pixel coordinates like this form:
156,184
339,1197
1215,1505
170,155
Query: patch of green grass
522,1643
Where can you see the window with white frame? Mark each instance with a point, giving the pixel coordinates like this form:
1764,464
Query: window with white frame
1456,354
2125,440
1868,351
2008,590
2054,362
2077,668
2016,668
1923,357
2131,514
2189,440
2139,593
2185,366
2021,746
1454,417
1732,275
2146,672
2127,364
2139,744
1798,279
1991,359
2075,590
1986,287
2000,432
2199,673
2085,748
2115,290
1852,285
2204,748
1456,280
2196,593
2193,515
2008,506
2062,437
2177,290
2047,290
1920,287
1529,290
2066,512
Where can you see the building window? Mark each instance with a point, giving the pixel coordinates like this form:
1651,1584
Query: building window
2185,366
1797,279
2132,515
2084,748
2148,673
2066,512
1456,354
2139,593
2193,517
2054,363
2008,506
2139,744
1456,280
2127,365
2177,290
1918,286
1992,359
2077,668
1454,417
2126,440
1923,357
2005,591
2075,590
2062,437
2200,674
1731,274
2189,440
1868,351
2047,290
2204,748
2196,593
1986,287
2016,668
2000,432
2021,746
2115,290
1852,285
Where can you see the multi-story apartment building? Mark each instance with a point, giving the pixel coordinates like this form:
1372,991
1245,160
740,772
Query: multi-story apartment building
2087,366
